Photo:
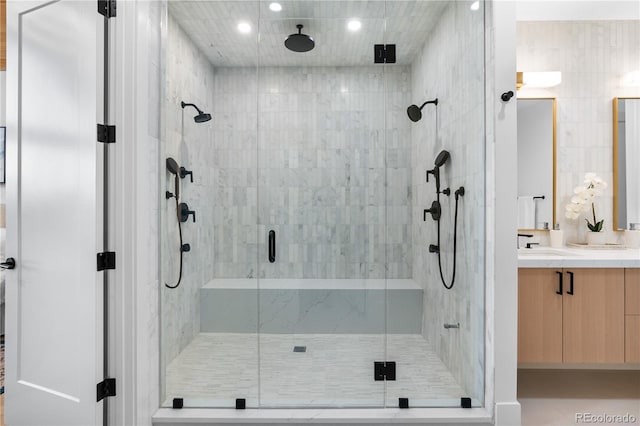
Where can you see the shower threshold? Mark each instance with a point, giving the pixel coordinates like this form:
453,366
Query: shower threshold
293,417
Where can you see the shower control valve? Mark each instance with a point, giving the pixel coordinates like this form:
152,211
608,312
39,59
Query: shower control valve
434,210
168,194
184,172
185,248
434,248
446,192
185,212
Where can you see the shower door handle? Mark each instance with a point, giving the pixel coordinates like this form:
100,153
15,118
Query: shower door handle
272,246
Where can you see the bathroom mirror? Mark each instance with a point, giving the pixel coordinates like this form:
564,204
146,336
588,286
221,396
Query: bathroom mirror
536,163
626,152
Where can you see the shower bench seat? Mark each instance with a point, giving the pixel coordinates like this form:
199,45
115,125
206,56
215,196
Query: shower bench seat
317,306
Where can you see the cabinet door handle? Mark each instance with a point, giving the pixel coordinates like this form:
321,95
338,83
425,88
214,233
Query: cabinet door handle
570,283
559,283
272,246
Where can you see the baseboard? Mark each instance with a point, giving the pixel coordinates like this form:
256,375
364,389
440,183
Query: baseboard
507,414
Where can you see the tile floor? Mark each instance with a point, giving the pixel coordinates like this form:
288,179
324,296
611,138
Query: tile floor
554,397
336,370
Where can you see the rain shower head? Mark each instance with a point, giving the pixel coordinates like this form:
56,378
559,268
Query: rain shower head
201,117
415,113
299,42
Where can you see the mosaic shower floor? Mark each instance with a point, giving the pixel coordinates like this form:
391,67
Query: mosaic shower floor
336,370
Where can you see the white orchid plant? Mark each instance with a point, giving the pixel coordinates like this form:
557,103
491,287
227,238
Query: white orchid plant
584,195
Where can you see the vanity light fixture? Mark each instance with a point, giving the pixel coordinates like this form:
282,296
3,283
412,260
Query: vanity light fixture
475,5
631,79
275,7
538,79
244,27
354,25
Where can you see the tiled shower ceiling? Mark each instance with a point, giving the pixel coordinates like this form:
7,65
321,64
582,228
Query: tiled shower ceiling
212,25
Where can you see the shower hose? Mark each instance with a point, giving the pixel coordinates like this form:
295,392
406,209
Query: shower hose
181,251
459,192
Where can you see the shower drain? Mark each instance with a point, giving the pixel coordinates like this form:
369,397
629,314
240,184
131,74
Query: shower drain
299,348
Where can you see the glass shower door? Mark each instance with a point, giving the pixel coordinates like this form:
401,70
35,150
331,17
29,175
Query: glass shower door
435,316
209,315
321,206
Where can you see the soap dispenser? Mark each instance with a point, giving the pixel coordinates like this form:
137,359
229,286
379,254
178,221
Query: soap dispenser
556,237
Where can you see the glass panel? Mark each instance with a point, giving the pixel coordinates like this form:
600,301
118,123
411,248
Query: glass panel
436,335
209,322
317,147
321,185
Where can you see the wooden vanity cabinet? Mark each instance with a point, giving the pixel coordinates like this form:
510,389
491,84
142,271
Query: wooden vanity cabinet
539,316
632,315
571,315
593,316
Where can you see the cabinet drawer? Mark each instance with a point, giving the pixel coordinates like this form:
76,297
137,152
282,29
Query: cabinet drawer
632,338
632,291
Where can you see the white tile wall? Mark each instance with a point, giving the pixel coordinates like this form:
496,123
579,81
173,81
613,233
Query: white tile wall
454,73
593,57
320,175
190,79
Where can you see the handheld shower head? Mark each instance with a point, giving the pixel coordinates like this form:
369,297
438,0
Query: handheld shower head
174,169
442,158
172,166
415,112
201,117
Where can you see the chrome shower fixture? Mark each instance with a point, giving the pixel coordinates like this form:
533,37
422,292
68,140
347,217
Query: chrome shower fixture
201,117
415,113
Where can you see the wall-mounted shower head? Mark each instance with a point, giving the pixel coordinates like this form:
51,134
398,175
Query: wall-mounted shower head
201,117
415,112
299,42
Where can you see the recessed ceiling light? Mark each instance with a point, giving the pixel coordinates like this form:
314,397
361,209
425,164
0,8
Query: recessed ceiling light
275,7
354,25
475,5
244,27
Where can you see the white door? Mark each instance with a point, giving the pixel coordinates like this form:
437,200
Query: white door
53,297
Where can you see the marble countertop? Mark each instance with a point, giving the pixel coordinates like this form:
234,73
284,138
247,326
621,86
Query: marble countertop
570,257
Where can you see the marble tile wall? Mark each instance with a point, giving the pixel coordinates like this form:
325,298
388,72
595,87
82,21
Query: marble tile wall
453,73
144,288
189,78
314,171
594,57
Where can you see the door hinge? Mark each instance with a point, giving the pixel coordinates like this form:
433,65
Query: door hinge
106,388
107,8
106,133
106,260
384,53
384,370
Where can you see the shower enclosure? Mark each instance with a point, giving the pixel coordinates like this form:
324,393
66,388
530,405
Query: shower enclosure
308,279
